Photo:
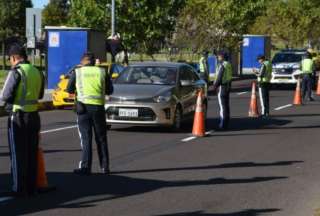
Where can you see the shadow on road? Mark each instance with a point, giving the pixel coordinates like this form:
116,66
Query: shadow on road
5,154
220,166
248,212
81,192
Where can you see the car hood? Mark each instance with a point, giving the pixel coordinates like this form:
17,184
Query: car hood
286,65
134,92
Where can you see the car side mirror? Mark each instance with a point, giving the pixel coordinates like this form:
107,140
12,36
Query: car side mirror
62,77
186,83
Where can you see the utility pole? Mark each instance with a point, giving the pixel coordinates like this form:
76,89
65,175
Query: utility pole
113,30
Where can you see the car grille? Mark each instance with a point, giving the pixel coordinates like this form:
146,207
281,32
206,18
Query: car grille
284,71
137,100
145,114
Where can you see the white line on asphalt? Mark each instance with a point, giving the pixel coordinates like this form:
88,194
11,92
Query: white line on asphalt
188,139
193,137
242,93
58,129
2,199
283,107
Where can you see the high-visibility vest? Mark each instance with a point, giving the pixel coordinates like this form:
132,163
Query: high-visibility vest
307,66
202,65
29,88
90,85
227,75
268,73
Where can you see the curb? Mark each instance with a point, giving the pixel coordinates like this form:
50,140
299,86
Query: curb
43,106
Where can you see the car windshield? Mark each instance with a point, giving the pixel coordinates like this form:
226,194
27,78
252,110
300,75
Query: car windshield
148,75
286,58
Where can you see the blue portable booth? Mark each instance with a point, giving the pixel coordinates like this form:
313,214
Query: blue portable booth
212,62
252,47
65,46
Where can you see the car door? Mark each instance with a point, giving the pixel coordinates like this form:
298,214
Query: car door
188,93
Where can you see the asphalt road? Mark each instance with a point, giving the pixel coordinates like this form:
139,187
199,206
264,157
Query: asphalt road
259,167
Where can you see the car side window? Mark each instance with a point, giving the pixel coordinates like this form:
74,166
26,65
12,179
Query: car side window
185,74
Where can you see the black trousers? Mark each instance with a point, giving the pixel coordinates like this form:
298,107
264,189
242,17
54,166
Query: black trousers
264,89
23,135
93,119
306,86
224,105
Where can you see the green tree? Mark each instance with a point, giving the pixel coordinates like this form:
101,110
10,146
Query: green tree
12,21
206,24
293,22
88,14
55,13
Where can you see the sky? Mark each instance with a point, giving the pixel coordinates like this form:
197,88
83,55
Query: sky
39,3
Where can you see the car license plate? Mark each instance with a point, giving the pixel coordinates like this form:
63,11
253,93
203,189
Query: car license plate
128,113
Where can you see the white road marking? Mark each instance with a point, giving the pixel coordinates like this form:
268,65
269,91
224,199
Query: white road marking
193,137
58,129
242,93
283,107
188,139
2,199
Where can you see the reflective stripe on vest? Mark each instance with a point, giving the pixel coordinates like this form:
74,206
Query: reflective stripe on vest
227,75
202,66
90,84
307,66
28,90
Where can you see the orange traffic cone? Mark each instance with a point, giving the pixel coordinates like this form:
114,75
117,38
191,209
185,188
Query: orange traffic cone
253,109
297,96
42,181
199,121
318,86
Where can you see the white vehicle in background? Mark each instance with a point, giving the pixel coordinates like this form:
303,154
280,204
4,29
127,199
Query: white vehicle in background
286,66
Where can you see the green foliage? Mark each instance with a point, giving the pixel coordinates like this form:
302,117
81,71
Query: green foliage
89,14
13,16
206,24
292,22
55,13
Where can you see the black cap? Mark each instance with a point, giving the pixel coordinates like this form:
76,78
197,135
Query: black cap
261,57
205,52
90,56
17,50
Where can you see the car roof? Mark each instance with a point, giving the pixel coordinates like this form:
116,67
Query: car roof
158,64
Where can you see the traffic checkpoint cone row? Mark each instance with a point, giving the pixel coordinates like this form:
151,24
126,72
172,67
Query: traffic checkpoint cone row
297,96
199,118
42,180
253,109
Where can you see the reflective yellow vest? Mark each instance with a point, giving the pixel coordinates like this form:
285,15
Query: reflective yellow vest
29,88
307,66
90,85
227,75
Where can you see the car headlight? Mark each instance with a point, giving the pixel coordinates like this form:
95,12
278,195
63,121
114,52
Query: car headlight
163,98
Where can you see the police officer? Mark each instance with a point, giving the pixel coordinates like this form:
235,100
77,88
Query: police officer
22,89
204,66
264,76
307,67
223,85
91,84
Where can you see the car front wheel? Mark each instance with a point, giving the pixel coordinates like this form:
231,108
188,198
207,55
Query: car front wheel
177,119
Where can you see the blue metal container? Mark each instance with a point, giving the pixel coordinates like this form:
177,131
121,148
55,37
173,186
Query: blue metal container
65,46
252,47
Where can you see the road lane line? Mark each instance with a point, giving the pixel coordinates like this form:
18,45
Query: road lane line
283,107
58,129
188,139
242,93
210,132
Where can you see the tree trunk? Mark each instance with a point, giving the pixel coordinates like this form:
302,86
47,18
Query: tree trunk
3,56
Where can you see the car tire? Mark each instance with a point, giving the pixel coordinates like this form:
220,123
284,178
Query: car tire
177,121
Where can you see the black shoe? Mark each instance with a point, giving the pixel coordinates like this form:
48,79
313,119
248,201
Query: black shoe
311,99
105,171
82,171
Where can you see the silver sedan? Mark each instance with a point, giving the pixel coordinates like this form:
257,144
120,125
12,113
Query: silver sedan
156,93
